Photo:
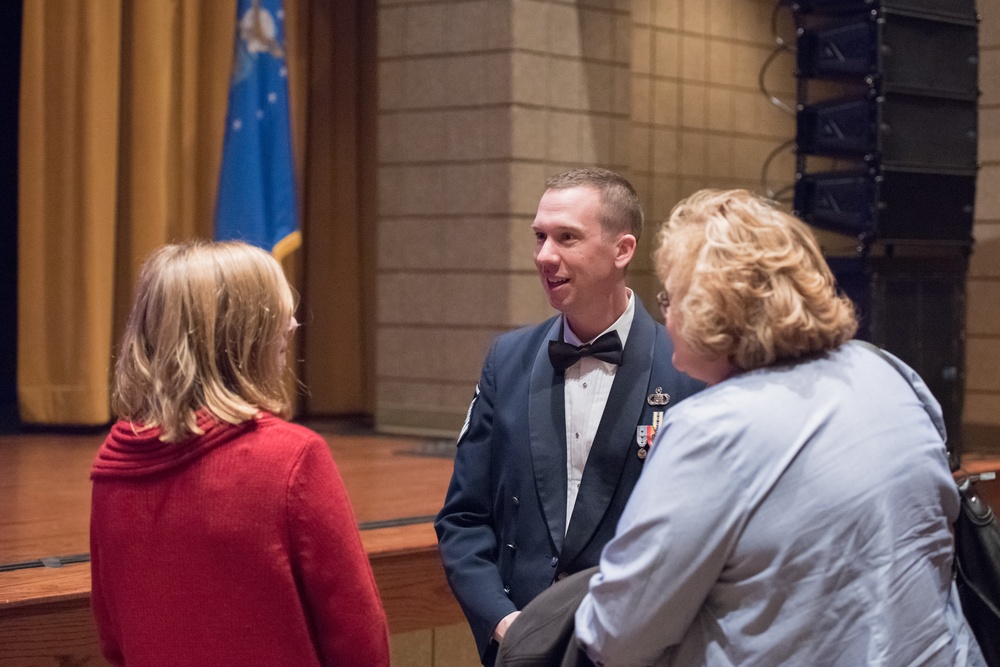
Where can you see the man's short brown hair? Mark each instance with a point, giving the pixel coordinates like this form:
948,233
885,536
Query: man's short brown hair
621,210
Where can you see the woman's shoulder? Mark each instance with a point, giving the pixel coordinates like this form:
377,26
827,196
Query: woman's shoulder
275,425
277,437
766,399
736,396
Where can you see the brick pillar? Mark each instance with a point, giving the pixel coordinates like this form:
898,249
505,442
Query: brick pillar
480,100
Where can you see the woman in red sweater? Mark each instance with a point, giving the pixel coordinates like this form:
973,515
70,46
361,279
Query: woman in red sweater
220,533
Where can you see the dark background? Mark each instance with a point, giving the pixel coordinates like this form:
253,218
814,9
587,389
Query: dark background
10,77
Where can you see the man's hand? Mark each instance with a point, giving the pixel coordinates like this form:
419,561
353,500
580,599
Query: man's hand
504,625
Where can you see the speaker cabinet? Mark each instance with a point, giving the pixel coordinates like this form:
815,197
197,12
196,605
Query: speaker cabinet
890,205
908,128
884,128
914,307
903,116
906,54
946,10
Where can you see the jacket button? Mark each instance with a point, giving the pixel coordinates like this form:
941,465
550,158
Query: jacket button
506,589
512,546
516,501
555,561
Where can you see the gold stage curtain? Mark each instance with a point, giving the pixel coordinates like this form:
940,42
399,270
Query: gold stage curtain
123,104
68,153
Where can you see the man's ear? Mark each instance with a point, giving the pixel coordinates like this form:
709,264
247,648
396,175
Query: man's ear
624,250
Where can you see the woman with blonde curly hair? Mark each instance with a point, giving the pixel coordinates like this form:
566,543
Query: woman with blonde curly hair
220,533
796,512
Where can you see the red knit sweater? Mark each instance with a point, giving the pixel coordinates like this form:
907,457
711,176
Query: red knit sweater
237,547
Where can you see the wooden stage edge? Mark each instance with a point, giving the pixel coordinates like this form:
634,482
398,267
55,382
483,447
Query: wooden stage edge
394,484
55,626
45,616
404,560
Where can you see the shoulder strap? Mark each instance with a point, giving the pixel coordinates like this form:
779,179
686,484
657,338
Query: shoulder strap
933,411
975,512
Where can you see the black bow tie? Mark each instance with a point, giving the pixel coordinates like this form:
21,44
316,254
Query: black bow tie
607,347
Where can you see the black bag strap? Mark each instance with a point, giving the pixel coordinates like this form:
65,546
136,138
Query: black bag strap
935,415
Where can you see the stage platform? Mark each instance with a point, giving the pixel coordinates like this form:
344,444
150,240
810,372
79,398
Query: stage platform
396,486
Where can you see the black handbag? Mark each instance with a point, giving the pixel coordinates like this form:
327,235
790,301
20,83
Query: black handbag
977,567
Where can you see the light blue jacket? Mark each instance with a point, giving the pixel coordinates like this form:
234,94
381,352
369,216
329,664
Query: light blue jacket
794,515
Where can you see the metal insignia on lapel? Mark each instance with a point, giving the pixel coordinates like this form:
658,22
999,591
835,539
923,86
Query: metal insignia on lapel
658,397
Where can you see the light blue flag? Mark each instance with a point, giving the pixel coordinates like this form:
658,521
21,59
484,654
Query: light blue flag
256,200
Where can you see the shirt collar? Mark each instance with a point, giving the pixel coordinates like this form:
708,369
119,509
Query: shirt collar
622,325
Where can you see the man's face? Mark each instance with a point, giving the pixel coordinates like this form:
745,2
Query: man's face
580,266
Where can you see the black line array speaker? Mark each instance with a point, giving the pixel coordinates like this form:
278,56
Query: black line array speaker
961,10
909,54
902,131
889,204
914,307
888,109
908,120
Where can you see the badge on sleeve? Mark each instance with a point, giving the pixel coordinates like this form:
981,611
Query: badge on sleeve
468,415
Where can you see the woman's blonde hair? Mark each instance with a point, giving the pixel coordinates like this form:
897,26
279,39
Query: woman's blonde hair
204,333
750,280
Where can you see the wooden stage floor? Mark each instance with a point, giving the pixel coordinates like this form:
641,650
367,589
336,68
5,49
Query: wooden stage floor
396,486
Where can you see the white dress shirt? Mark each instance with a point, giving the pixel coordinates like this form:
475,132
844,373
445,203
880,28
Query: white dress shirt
586,390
